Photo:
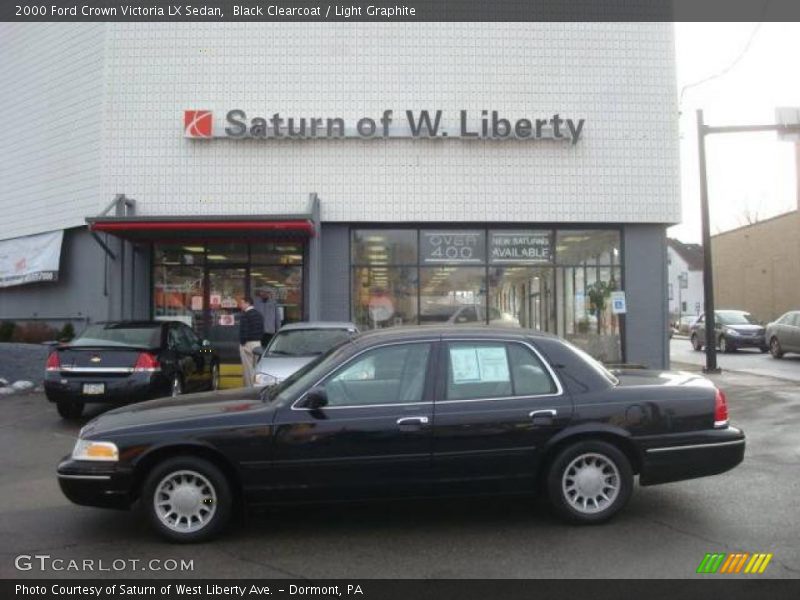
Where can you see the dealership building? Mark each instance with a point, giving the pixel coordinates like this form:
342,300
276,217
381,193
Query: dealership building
516,174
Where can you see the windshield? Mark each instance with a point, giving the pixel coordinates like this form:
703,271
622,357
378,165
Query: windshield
306,342
594,363
302,378
735,318
115,334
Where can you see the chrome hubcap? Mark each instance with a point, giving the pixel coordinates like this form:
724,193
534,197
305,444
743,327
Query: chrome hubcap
176,387
590,483
185,501
215,378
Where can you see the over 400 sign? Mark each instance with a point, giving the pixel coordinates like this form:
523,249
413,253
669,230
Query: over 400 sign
453,247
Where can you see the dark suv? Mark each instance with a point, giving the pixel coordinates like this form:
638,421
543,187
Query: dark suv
734,329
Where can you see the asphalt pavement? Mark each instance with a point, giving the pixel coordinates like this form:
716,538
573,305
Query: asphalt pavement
664,532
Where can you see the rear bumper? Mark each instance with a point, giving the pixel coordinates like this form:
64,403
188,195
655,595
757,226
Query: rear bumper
95,484
118,390
674,458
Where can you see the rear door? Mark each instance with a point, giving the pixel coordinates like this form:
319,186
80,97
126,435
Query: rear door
497,404
790,332
372,439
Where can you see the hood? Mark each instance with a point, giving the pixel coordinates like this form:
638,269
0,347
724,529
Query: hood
635,377
166,413
282,366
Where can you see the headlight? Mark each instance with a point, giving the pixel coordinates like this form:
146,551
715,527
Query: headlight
265,379
91,450
731,332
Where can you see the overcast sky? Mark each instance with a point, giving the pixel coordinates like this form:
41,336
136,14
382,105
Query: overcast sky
747,173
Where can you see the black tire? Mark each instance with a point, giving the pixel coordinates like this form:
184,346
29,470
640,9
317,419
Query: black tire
176,466
564,464
696,345
775,348
214,385
70,409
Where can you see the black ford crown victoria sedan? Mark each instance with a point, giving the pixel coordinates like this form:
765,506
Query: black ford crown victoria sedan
128,361
412,412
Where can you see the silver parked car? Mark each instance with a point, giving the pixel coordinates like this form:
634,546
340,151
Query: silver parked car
783,334
297,344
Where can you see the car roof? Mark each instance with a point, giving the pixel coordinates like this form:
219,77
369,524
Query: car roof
319,325
450,331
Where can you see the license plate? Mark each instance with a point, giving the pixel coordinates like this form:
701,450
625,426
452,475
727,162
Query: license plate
94,389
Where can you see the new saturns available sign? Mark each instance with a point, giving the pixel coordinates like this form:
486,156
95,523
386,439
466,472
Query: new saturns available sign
464,124
30,259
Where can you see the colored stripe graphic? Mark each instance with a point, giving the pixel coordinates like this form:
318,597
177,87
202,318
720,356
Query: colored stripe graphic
723,563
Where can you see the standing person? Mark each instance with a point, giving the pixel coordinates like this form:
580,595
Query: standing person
251,328
270,313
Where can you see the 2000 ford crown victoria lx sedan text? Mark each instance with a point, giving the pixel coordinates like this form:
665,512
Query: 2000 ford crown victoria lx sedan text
409,412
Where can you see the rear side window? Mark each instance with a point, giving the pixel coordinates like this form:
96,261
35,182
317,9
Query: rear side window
479,370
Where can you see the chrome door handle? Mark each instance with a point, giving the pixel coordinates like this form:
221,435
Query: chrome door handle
412,421
543,413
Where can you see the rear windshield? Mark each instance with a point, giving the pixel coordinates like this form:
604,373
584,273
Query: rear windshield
736,318
141,336
306,342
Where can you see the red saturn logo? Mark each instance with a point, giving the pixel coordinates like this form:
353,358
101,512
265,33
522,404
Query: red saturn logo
197,123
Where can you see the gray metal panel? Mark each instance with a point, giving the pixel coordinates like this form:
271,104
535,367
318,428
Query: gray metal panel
335,272
645,259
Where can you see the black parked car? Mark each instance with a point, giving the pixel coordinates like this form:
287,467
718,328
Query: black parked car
128,361
783,334
409,412
734,329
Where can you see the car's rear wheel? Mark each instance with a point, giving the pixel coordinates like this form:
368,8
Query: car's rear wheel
696,345
214,377
775,348
70,409
187,499
177,386
589,482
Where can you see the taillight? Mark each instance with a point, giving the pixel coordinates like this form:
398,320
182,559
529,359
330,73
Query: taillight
53,362
146,363
720,410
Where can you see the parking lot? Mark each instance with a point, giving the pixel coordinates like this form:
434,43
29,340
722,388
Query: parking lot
664,532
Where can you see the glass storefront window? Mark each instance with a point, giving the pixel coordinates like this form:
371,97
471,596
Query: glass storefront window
227,253
457,247
522,297
384,247
587,247
384,296
285,284
178,294
276,254
452,294
179,254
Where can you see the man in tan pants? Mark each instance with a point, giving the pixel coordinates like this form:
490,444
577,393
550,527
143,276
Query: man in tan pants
251,328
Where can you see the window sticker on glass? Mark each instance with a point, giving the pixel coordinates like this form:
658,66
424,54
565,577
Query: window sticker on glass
482,364
493,364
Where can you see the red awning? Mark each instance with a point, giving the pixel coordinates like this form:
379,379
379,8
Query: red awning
197,228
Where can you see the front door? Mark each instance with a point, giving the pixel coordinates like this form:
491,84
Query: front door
372,439
497,404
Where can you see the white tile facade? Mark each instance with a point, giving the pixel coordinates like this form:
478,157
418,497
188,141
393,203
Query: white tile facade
51,98
619,77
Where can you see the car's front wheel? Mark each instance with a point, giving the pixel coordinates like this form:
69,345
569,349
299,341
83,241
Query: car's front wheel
589,482
724,345
187,499
775,348
70,409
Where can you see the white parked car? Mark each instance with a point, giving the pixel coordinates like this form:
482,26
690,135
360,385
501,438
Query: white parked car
297,344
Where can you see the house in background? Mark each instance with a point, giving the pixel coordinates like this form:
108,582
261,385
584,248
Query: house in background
684,279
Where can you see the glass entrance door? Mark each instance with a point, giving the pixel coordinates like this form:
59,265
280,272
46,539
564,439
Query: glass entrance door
225,284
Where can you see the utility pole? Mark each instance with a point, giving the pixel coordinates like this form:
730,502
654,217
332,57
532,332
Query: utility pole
708,277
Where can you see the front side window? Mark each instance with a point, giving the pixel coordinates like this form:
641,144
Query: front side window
479,370
386,375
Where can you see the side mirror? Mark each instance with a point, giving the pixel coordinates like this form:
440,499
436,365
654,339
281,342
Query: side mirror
206,344
258,350
315,398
